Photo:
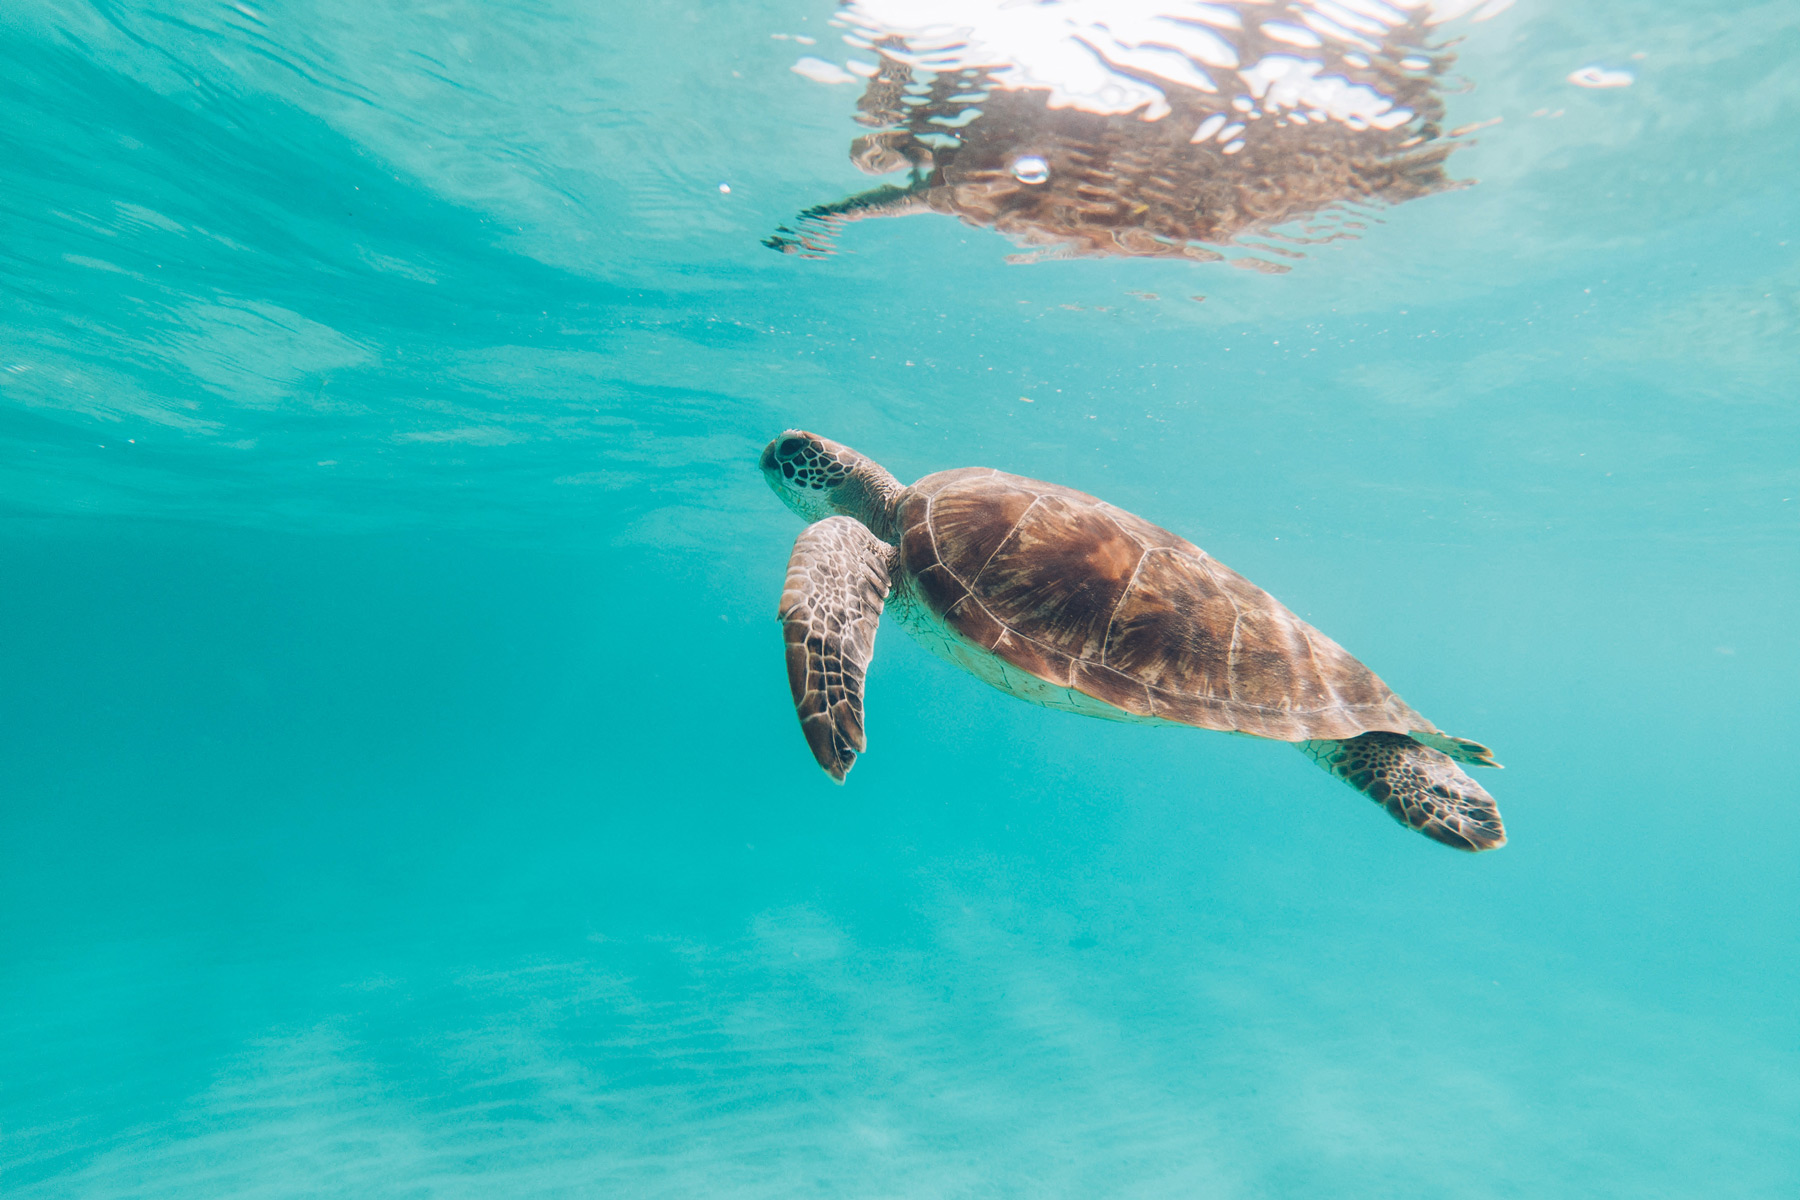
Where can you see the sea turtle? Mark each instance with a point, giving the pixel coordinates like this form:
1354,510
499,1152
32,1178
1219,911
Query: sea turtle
1063,600
1144,130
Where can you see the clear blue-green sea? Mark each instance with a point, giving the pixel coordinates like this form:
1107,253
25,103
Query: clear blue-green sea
400,791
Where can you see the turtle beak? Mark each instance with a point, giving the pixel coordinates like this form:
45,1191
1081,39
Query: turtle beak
768,457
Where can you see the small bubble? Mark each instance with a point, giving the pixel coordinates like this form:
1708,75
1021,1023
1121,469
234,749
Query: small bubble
725,189
1031,168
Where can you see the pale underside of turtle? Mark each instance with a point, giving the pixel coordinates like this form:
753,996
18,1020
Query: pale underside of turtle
1065,601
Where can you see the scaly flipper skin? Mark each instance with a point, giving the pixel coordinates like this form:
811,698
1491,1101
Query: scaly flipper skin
837,583
1421,787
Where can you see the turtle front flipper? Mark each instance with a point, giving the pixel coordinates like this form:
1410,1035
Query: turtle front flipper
837,581
814,230
1421,787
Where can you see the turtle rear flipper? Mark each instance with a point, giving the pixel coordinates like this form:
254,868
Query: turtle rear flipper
1420,787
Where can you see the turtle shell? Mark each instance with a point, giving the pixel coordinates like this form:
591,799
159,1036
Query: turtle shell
1086,596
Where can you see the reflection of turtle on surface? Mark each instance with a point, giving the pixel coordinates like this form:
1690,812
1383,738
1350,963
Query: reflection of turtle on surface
1215,167
1059,599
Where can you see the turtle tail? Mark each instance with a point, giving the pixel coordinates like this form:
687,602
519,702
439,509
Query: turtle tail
1461,749
1423,788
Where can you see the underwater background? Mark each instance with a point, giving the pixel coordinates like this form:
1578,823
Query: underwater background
399,790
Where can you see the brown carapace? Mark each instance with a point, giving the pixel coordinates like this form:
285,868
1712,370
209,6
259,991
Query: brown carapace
1066,601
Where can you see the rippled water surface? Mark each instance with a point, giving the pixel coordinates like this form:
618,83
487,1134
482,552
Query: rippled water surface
399,789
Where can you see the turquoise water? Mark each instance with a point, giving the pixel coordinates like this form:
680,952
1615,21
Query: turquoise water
401,793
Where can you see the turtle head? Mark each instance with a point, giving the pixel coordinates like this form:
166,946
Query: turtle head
817,478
